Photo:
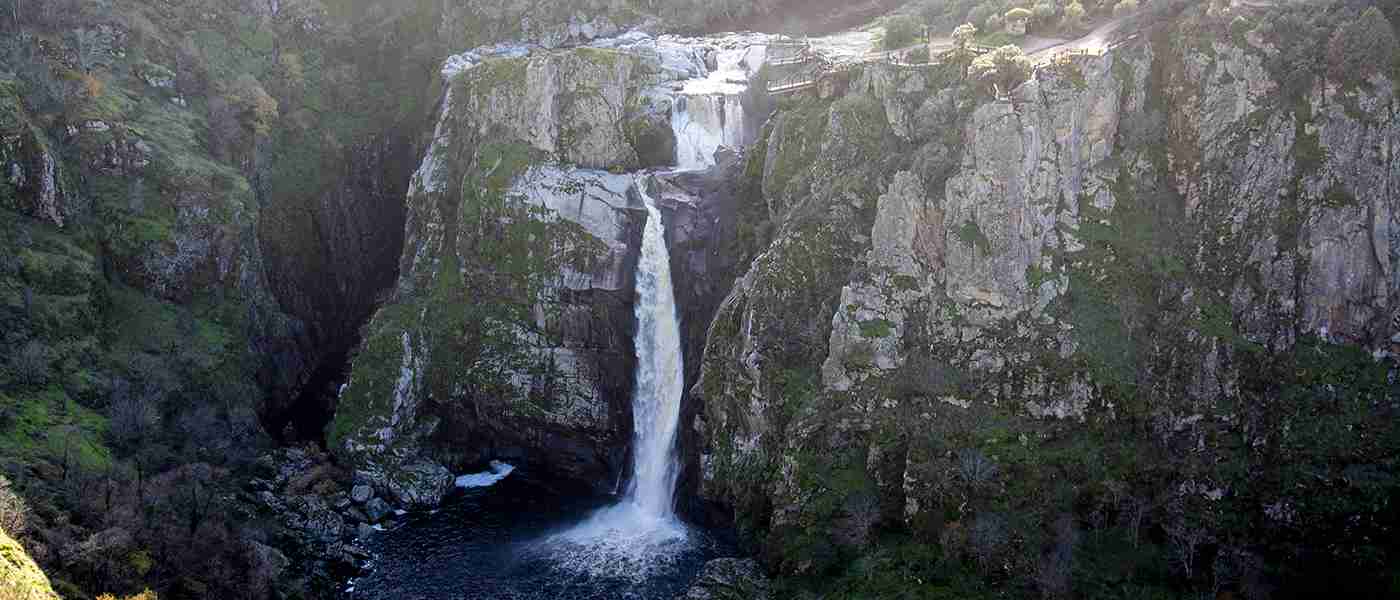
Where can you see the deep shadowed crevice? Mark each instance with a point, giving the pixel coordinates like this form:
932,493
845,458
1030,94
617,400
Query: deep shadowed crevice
330,255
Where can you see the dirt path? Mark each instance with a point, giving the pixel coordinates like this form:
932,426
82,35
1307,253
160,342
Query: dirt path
1097,39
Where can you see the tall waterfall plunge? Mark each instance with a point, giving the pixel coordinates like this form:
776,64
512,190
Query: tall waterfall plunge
641,534
656,404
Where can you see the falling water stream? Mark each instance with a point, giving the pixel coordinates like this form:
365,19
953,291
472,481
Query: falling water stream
511,537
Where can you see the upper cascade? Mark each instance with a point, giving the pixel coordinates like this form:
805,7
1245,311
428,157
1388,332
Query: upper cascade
697,84
709,111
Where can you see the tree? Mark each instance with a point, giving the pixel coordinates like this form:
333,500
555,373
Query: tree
1003,68
900,31
964,34
963,37
1125,7
1074,13
1362,47
995,22
1044,12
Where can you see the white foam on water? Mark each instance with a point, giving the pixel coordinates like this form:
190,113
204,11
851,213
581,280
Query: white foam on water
499,471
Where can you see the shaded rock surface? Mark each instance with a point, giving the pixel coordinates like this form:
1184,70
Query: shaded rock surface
729,579
995,254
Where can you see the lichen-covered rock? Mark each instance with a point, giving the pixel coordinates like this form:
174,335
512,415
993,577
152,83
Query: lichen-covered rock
420,484
569,104
757,361
32,172
867,330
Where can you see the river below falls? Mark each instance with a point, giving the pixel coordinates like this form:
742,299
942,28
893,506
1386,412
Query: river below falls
504,542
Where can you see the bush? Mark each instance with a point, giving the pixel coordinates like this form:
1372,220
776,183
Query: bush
901,31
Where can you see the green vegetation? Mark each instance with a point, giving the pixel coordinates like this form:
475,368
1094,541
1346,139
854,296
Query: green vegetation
969,233
901,31
1002,69
876,328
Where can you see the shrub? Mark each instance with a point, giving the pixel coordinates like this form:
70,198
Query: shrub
975,468
256,108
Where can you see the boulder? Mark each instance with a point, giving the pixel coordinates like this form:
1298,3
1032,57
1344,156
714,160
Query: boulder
419,484
376,509
361,493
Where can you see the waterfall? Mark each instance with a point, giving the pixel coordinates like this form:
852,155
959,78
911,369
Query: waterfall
640,535
656,404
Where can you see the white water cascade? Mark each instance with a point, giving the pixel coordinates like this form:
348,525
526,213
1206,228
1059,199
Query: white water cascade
709,112
656,404
641,533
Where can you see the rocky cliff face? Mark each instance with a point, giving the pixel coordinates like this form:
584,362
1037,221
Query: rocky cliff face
521,208
1124,236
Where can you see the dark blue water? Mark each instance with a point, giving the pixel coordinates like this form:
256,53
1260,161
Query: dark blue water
497,543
